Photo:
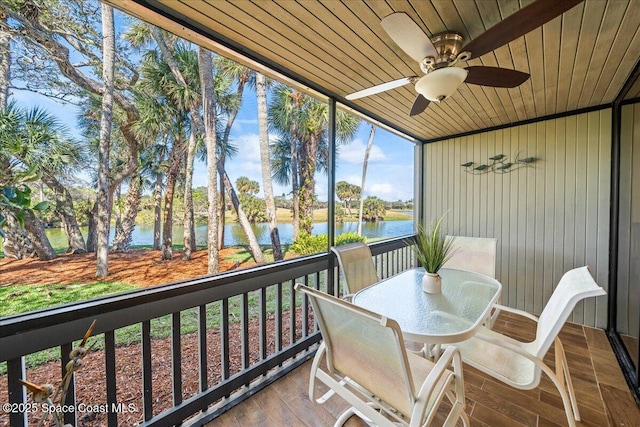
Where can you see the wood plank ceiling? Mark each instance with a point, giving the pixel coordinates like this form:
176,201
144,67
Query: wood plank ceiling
579,60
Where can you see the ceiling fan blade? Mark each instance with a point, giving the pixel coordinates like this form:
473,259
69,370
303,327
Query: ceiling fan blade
518,24
409,36
419,105
495,76
380,88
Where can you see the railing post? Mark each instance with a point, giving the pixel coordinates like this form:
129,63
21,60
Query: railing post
110,372
70,400
17,393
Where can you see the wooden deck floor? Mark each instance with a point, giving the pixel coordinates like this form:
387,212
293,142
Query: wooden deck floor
602,393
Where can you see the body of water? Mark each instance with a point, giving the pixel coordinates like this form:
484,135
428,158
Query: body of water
234,236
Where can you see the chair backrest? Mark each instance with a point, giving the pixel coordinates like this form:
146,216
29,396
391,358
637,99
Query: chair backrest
364,346
356,263
574,286
476,254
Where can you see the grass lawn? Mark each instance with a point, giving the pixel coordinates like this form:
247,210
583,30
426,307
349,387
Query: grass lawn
22,298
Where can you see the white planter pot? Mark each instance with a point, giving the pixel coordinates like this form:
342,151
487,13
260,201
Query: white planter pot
432,283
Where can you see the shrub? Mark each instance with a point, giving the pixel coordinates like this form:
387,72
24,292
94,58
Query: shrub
352,237
307,244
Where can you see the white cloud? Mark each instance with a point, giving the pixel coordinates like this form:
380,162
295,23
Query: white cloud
354,153
381,190
248,146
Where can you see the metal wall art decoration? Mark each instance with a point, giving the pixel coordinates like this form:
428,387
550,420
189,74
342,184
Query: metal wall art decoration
497,164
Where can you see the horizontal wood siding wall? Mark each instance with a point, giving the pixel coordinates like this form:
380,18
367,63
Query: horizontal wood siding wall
629,243
548,218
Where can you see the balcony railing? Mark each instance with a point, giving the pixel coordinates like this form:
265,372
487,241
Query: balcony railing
247,327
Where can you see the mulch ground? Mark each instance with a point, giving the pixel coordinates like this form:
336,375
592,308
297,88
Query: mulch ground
143,268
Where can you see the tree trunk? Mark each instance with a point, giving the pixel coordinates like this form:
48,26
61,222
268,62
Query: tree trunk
64,209
222,207
92,233
5,64
211,143
265,163
157,212
117,202
295,187
17,244
254,246
307,183
175,160
122,239
189,225
104,188
364,176
35,231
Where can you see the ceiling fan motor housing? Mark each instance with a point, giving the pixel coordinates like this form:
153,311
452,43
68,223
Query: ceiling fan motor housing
448,45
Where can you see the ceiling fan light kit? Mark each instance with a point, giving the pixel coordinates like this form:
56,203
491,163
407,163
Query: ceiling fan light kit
437,55
441,83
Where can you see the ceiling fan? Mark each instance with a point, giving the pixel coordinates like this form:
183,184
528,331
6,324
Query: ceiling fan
439,54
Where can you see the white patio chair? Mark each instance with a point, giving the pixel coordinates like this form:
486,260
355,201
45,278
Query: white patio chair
519,364
356,264
367,365
476,254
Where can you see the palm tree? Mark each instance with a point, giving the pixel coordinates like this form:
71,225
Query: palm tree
347,193
153,131
261,84
36,139
365,162
229,104
283,120
302,122
241,76
166,75
210,137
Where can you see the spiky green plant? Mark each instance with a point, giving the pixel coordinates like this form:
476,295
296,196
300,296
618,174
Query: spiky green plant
432,247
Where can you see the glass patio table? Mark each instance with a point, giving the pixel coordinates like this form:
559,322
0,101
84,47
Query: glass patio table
448,317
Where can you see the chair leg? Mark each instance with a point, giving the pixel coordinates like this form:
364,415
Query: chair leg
558,380
349,412
344,417
465,419
312,376
562,371
565,400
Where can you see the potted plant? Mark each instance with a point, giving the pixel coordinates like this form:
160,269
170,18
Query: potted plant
432,250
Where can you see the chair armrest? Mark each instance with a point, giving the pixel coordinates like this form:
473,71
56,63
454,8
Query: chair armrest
347,297
505,342
450,357
516,311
